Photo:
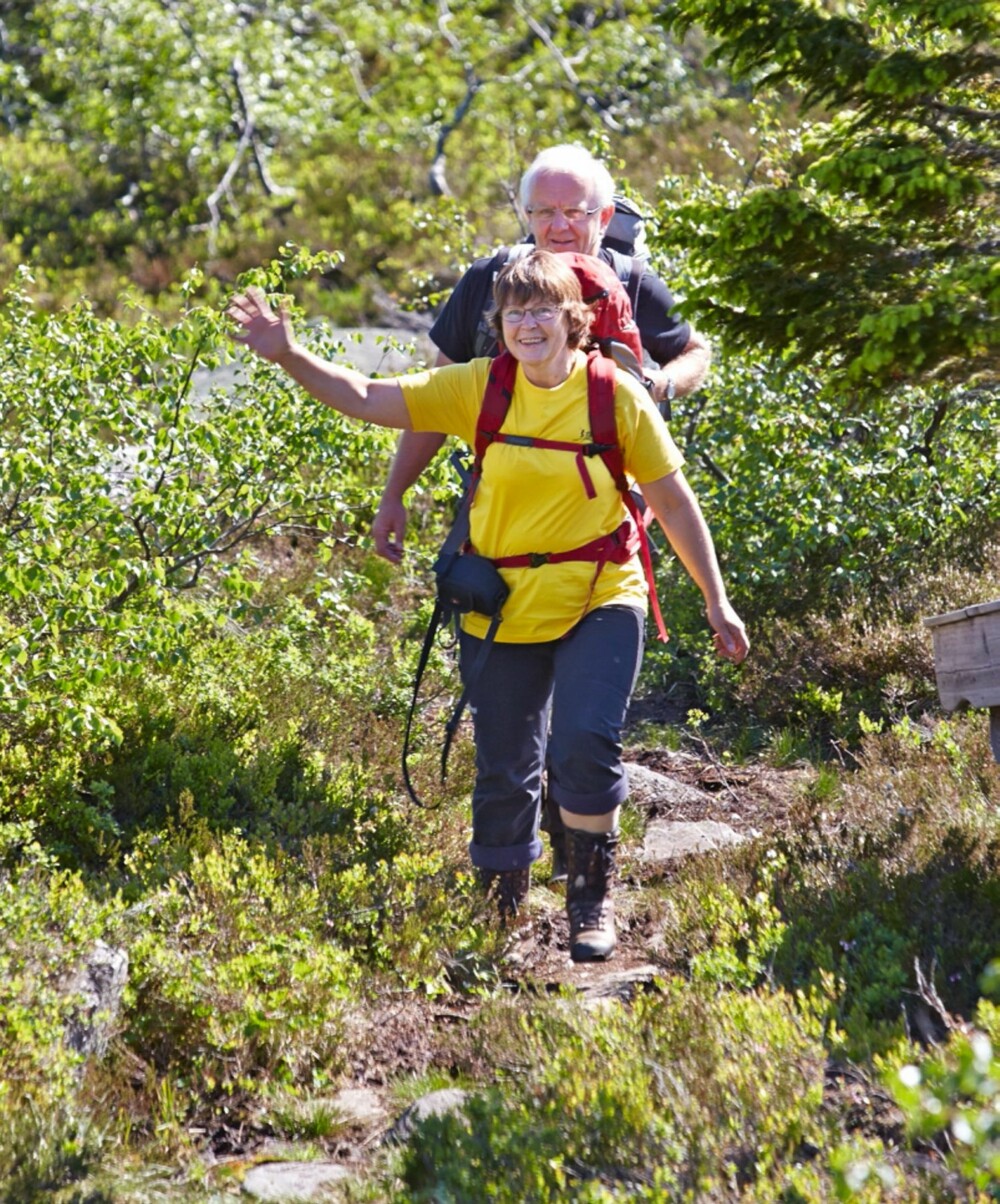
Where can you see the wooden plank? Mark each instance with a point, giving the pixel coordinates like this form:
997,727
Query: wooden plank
967,656
967,612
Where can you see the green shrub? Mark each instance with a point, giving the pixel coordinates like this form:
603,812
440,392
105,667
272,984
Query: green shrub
913,824
45,1153
49,923
678,1096
233,982
954,1094
416,919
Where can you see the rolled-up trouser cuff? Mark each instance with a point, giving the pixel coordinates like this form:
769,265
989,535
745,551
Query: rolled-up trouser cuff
591,804
504,857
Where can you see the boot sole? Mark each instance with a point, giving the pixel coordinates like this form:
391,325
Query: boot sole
586,954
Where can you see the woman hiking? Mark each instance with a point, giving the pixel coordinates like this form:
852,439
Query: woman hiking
558,678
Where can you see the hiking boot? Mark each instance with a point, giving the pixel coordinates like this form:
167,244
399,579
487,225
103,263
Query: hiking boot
508,888
591,911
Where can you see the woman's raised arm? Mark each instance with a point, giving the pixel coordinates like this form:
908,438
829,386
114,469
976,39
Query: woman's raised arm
270,335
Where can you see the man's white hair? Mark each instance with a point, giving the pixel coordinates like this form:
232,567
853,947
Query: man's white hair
572,160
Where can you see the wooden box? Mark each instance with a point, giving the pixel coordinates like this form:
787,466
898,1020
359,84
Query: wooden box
967,661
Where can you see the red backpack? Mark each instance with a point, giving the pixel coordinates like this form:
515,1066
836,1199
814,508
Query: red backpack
612,326
617,546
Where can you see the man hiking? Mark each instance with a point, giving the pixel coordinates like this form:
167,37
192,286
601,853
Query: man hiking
568,198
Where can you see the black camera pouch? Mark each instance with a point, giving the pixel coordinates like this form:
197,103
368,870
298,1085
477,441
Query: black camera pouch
467,582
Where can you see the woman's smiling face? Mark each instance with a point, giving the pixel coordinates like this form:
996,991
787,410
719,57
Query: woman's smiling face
539,315
535,332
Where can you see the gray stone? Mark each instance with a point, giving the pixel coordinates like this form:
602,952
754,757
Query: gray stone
287,1181
367,348
620,985
96,988
436,1103
667,840
648,788
359,1105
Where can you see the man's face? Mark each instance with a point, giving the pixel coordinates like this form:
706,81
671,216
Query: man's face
553,196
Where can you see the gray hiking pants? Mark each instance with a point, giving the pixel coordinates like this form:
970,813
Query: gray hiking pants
562,703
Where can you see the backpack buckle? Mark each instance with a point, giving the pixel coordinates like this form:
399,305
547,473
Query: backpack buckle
537,559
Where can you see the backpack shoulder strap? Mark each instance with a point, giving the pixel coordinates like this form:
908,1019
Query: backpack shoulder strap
484,340
629,270
601,401
636,269
496,403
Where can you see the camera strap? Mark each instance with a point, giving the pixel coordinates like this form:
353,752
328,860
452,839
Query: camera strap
446,611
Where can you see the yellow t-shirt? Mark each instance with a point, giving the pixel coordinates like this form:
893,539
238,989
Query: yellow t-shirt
533,499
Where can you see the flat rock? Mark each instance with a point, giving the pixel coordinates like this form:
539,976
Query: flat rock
648,788
286,1181
621,985
370,349
667,840
359,1105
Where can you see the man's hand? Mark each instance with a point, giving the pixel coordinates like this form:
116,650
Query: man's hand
415,452
389,529
688,370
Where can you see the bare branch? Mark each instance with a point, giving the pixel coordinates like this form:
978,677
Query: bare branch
965,112
119,600
588,98
931,1018
222,188
437,177
354,62
711,467
250,125
140,531
438,180
940,413
248,141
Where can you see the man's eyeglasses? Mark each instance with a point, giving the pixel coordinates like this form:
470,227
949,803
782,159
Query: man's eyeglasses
573,213
541,313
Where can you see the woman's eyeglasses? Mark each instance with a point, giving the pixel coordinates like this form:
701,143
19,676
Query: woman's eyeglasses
541,313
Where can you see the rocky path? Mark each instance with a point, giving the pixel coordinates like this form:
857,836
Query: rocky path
691,806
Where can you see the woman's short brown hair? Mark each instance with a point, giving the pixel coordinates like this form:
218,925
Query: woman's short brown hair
541,278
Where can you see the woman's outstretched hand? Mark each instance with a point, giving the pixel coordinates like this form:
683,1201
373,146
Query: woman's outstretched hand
265,332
